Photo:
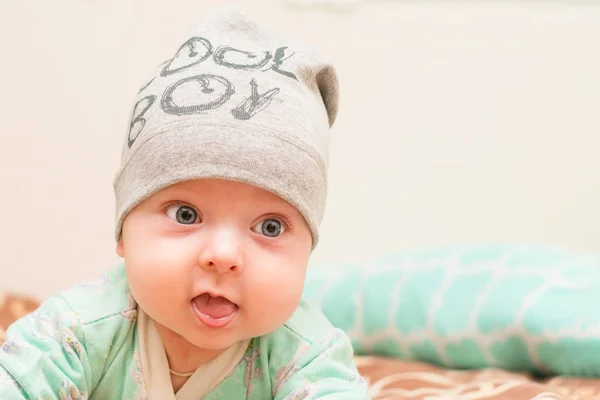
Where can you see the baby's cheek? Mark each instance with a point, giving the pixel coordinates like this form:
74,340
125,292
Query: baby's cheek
147,279
277,292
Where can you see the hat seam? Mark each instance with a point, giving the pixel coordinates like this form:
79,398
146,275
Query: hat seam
303,146
222,176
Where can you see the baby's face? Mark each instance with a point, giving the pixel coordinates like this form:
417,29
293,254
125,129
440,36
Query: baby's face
215,262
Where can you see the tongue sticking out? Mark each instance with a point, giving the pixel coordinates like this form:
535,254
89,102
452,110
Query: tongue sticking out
214,307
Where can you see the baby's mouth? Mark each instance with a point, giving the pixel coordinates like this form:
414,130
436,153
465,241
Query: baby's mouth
214,312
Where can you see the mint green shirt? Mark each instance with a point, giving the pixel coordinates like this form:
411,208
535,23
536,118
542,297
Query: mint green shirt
83,343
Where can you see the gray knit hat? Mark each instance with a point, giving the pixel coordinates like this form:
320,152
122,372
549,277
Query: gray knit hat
235,102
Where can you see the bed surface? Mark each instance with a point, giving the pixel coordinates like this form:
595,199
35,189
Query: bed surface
391,379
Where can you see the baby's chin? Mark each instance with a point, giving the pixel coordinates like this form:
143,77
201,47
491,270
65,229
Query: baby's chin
222,339
215,342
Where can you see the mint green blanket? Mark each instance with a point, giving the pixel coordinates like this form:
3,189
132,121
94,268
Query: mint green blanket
522,308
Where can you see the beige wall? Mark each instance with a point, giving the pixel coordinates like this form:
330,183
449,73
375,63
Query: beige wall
459,121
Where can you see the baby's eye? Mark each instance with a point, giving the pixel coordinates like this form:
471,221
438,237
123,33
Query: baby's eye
185,215
269,227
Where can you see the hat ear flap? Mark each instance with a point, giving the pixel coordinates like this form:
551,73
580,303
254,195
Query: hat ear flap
327,82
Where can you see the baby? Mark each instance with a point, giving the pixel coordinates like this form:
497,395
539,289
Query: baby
219,198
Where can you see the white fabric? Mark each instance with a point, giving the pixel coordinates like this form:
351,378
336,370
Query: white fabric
155,366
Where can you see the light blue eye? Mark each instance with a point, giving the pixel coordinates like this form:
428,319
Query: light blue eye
269,227
184,215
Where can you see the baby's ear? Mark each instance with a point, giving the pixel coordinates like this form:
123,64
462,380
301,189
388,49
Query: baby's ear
120,251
